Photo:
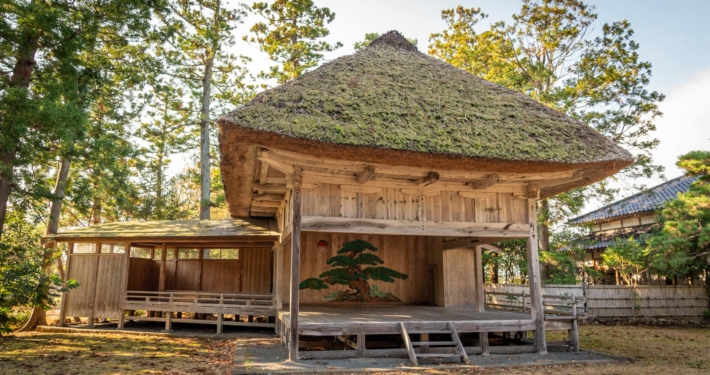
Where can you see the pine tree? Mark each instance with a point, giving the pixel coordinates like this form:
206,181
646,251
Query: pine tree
193,42
347,269
290,36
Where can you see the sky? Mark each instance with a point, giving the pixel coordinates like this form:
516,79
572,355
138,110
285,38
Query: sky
673,36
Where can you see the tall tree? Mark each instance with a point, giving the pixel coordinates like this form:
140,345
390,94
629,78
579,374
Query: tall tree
42,45
548,52
198,34
291,36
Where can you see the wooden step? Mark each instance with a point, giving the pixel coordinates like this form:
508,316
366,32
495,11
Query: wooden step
437,355
430,332
434,343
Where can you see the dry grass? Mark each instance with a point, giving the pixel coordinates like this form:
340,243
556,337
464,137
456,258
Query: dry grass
48,354
666,350
655,350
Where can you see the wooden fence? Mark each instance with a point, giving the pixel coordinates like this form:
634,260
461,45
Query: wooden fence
611,301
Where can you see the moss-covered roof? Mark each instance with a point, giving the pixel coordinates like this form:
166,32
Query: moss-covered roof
391,96
173,230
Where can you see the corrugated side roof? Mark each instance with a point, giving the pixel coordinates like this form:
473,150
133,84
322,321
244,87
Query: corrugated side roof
646,201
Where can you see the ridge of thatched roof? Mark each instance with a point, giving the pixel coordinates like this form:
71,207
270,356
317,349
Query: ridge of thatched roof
391,97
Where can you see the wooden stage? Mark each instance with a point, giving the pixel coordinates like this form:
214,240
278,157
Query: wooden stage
353,324
351,320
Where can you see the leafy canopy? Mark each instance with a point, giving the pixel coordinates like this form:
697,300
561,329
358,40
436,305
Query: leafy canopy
291,36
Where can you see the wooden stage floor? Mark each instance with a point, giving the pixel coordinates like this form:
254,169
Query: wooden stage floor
349,320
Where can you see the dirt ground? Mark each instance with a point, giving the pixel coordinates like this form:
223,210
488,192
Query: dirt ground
656,350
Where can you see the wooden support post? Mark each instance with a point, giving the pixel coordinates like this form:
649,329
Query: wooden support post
220,317
360,350
168,321
295,264
97,253
485,348
63,303
538,313
199,270
480,296
163,257
424,337
124,284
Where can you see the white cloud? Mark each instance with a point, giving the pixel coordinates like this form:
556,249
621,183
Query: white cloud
685,125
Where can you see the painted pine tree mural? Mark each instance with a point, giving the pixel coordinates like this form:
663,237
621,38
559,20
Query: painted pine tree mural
347,269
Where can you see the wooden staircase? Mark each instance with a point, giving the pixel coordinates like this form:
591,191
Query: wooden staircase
457,349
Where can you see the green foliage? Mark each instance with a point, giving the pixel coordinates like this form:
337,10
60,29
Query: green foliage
24,282
562,269
290,36
548,53
313,283
628,256
369,37
681,248
347,270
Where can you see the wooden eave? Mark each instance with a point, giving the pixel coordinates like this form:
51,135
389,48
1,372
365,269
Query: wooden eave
270,176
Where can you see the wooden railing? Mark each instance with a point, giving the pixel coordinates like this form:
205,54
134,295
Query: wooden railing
200,302
554,305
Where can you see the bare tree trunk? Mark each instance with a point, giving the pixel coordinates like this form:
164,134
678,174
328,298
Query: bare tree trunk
205,142
39,316
5,182
544,238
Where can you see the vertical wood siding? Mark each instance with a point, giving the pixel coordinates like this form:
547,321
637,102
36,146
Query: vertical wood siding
392,204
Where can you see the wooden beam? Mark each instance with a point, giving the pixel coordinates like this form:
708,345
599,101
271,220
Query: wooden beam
307,161
311,177
268,197
366,175
124,284
538,313
260,203
269,188
492,248
295,266
533,191
280,166
264,174
431,178
411,227
489,181
63,303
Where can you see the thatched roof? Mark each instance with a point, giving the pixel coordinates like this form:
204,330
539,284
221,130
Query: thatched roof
391,104
391,97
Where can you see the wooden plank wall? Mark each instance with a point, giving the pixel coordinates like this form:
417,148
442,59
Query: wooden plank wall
101,289
143,274
109,284
256,270
187,275
406,254
221,275
392,204
82,268
459,278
